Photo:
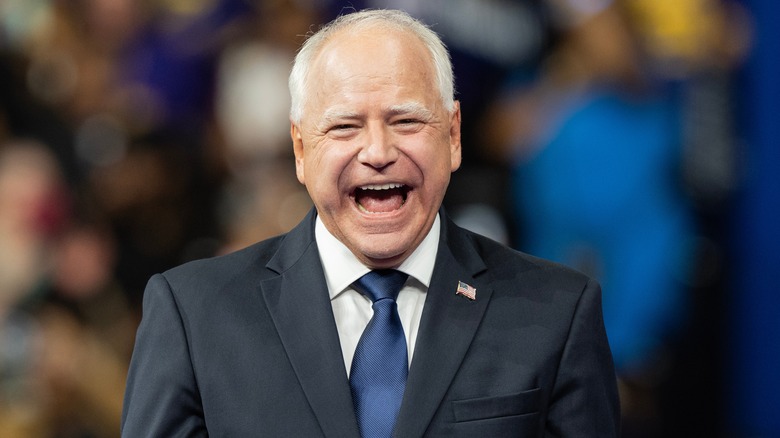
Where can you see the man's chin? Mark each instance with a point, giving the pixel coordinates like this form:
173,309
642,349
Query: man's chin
382,252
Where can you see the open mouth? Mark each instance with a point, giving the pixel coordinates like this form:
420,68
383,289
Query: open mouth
381,198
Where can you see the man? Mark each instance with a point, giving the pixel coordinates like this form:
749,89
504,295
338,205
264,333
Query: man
267,341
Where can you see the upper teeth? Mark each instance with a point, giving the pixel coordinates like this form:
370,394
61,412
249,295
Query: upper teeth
381,186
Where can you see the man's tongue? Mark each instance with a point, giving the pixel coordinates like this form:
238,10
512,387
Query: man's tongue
380,201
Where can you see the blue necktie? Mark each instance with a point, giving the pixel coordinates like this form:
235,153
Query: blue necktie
380,364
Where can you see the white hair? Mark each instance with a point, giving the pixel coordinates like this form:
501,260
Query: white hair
299,76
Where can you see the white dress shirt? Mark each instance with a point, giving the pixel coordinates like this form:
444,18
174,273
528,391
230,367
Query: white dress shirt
351,309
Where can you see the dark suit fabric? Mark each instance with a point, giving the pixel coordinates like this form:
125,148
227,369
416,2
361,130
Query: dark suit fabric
246,345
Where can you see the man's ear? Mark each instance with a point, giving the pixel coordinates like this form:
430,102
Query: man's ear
297,140
455,152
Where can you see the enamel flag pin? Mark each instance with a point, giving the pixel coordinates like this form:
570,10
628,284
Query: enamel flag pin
466,290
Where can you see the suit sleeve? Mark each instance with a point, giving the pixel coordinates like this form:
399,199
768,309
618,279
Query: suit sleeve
585,401
161,398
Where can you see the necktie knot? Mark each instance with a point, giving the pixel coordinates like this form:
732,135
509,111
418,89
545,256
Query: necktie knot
381,284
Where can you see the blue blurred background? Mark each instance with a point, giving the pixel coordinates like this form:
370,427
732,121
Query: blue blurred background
635,140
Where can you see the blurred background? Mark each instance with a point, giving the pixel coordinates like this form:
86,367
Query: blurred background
636,140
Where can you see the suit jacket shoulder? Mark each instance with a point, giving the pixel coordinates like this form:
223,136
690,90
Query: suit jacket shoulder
206,275
511,272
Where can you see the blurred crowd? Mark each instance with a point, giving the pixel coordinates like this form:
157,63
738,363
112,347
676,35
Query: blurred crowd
136,135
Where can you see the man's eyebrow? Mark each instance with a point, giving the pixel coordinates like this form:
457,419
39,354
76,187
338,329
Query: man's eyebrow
411,108
334,115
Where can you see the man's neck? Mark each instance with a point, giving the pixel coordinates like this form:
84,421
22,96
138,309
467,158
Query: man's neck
341,267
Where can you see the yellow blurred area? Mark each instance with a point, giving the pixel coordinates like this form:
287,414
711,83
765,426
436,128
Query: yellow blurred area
686,34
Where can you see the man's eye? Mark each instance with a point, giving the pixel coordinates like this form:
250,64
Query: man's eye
342,130
408,125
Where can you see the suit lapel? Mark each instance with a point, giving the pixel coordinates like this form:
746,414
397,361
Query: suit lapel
448,325
299,305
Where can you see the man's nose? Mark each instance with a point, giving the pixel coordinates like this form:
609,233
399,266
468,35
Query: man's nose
379,148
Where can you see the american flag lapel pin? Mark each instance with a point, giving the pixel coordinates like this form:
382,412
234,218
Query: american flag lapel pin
466,290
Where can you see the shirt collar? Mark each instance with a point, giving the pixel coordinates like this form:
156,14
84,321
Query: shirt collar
342,268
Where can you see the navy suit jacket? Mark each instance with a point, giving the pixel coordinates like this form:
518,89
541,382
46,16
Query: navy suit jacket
246,345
